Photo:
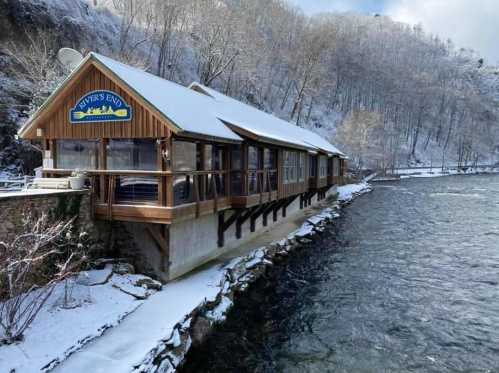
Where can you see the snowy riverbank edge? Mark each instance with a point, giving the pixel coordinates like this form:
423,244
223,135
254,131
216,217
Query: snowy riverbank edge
114,309
238,276
438,172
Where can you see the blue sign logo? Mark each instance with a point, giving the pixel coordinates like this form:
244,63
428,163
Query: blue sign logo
100,106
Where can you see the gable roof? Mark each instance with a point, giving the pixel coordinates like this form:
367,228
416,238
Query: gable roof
197,110
190,111
264,125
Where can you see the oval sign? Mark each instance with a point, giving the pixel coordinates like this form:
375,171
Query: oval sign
100,106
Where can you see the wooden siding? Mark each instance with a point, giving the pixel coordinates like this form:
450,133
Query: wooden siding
143,124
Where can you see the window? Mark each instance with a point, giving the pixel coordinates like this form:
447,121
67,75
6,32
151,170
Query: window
77,154
236,158
184,159
253,166
136,154
184,156
253,158
322,166
269,159
236,178
290,167
336,166
270,165
301,167
312,166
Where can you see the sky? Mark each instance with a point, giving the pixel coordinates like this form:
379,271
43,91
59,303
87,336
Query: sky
469,23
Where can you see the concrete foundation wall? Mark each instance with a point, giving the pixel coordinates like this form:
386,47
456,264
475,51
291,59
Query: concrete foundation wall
195,242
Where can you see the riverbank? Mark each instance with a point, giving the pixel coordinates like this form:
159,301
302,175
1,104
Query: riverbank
167,321
428,172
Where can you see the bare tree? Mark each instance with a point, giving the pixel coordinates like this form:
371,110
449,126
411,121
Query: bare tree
31,264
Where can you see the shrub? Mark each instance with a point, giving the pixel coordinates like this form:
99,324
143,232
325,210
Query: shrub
45,253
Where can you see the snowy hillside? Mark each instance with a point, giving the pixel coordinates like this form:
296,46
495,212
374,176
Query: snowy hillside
385,92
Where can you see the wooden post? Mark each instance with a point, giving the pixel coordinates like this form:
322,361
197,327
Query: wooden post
244,171
202,180
161,167
169,167
103,166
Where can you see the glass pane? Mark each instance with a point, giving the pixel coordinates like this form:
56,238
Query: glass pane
236,158
336,167
236,182
183,189
218,158
269,158
136,188
184,155
252,182
208,157
252,158
77,154
136,154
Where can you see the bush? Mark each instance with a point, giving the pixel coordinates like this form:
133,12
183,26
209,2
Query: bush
45,253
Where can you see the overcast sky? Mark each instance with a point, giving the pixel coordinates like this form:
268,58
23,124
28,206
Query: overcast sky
469,23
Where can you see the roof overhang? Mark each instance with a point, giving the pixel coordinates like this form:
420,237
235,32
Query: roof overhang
256,137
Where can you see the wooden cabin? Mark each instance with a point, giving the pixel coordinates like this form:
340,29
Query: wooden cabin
187,168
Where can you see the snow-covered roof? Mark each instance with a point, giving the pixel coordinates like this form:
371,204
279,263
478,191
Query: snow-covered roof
200,110
190,111
264,125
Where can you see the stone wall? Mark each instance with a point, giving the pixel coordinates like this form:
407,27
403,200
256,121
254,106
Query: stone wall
57,204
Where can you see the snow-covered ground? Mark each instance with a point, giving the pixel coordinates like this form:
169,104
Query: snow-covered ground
101,299
438,172
117,325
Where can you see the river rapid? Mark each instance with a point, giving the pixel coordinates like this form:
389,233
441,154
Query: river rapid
407,280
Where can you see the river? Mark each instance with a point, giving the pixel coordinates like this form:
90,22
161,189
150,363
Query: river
406,280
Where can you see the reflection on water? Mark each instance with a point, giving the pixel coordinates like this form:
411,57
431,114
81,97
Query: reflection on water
407,280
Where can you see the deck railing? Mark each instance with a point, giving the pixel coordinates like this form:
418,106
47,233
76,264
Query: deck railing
151,187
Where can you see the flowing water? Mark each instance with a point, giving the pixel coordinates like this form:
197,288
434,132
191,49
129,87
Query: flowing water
407,280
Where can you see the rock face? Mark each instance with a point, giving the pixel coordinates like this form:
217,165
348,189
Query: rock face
72,24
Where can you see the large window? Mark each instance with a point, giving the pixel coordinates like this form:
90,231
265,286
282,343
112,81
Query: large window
214,160
322,166
236,178
136,154
77,154
312,166
301,167
253,166
290,167
336,166
184,155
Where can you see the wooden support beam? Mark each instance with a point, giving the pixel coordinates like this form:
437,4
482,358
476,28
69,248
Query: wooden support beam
255,216
242,218
288,202
162,242
223,224
278,205
267,211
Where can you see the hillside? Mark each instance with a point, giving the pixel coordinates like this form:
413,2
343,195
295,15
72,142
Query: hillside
385,92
